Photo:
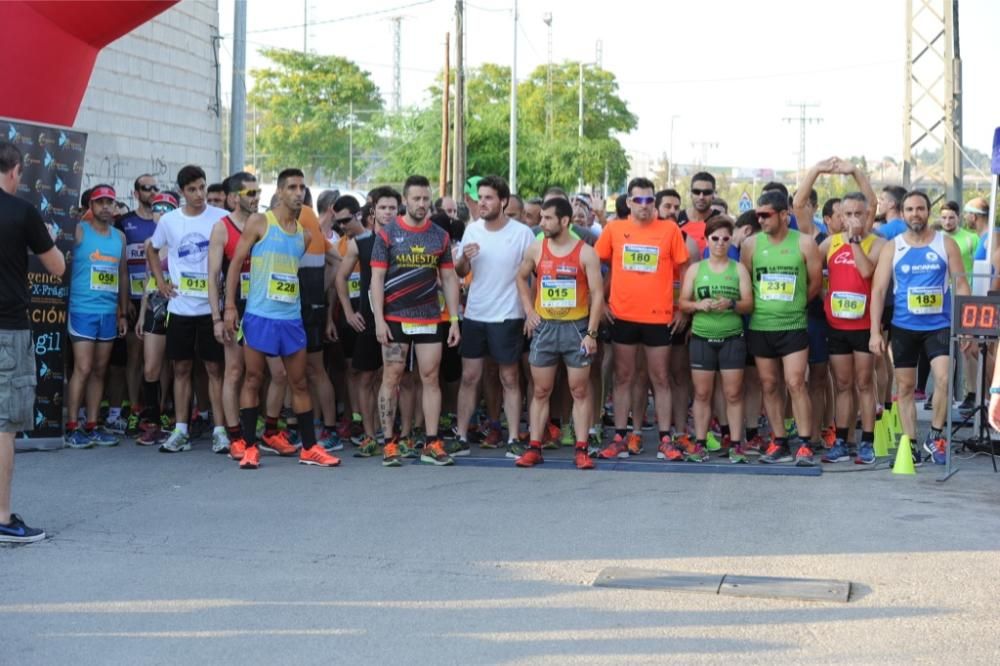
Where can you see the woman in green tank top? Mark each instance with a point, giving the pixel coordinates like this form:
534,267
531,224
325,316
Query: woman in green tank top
717,291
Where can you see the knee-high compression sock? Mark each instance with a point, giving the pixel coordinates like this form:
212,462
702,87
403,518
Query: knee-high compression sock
151,399
307,430
248,424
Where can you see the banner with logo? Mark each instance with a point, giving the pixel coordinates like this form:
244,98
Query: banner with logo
53,173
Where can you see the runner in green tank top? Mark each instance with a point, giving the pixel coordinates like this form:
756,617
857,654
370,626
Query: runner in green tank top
786,271
717,290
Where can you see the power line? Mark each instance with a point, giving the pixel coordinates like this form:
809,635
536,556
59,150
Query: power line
340,19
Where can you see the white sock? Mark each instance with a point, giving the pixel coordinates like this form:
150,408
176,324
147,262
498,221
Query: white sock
219,430
182,428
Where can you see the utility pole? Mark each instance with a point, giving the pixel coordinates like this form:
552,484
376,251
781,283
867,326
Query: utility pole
599,53
305,26
350,147
672,171
803,119
458,178
238,110
579,138
445,125
932,107
704,146
547,18
512,168
397,30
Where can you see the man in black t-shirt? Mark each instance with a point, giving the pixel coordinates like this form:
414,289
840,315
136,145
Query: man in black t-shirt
22,229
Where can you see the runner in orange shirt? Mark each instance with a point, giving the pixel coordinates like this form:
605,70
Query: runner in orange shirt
642,253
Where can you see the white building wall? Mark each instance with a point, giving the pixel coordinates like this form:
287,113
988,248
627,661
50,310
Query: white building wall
151,105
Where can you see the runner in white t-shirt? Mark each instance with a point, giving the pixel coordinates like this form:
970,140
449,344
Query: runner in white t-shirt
185,232
492,249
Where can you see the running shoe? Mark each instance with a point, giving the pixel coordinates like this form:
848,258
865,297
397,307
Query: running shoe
515,449
772,446
493,439
712,442
344,428
434,454
634,443
318,456
330,441
132,426
458,447
866,454
237,448
593,444
78,439
278,444
805,457
250,458
669,451
917,395
368,448
568,436
166,423
694,452
777,454
176,443
152,435
737,454
17,532
938,448
446,421
220,442
200,424
550,438
531,457
616,449
101,437
408,448
581,458
837,453
828,436
117,426
754,446
391,456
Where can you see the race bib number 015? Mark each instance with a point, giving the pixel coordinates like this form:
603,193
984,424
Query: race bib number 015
558,293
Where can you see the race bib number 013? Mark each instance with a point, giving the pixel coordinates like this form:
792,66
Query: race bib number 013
194,285
640,258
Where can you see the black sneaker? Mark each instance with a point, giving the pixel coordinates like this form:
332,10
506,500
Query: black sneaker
457,447
968,404
17,532
781,454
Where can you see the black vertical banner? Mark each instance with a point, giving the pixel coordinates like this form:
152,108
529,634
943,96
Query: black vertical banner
53,173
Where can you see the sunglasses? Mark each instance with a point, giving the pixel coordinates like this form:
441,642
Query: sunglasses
766,215
702,193
162,208
643,201
719,239
249,193
149,188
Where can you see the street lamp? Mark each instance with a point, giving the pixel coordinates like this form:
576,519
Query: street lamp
579,141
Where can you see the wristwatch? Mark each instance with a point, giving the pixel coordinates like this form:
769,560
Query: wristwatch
995,390
592,334
854,240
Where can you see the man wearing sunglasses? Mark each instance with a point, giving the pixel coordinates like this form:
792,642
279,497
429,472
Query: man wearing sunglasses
138,226
643,253
786,272
692,220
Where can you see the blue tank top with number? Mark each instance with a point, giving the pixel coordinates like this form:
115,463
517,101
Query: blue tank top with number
922,298
274,267
94,285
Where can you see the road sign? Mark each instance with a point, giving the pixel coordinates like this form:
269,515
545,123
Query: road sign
746,203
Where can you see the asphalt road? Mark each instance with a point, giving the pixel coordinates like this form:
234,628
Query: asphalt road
157,559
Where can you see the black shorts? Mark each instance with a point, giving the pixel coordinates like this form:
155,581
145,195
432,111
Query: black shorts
367,351
776,344
500,340
632,333
679,337
907,345
348,339
314,323
119,353
451,360
842,343
418,334
155,321
188,337
720,354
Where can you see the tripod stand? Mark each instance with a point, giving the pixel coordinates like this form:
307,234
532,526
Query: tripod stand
982,442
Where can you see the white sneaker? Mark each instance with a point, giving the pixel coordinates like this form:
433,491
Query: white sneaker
176,443
220,442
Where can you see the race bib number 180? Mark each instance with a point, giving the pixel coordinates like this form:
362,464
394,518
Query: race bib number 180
640,258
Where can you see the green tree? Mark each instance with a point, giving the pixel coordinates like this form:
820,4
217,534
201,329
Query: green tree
545,156
304,106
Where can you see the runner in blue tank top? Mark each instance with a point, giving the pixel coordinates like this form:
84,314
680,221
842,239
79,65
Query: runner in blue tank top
920,263
272,324
98,298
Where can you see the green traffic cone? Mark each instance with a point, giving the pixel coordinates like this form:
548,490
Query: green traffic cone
904,458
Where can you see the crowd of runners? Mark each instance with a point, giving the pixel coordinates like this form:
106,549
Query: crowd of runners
395,326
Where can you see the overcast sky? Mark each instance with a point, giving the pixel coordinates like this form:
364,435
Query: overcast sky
727,68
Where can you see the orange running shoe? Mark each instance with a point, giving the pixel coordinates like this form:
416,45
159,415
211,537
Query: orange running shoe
582,460
391,455
772,447
237,448
616,449
530,458
434,454
669,451
318,456
634,443
829,436
493,438
550,438
250,458
278,444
